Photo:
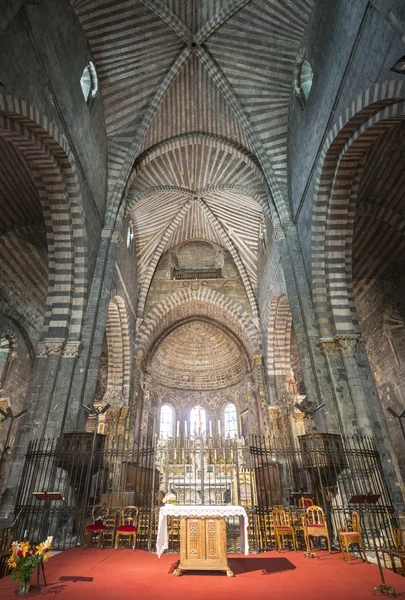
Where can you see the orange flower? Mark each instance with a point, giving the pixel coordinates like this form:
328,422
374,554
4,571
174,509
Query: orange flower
40,548
25,546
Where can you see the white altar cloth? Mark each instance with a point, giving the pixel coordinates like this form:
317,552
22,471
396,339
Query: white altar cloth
180,510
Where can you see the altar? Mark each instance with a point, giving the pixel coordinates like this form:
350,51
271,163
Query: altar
202,536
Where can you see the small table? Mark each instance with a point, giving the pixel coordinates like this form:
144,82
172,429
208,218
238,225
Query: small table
202,536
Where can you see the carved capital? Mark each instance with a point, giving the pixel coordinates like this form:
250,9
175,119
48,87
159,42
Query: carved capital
113,397
340,344
72,349
258,360
51,347
278,234
116,236
107,232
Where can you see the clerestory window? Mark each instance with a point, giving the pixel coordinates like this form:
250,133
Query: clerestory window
89,82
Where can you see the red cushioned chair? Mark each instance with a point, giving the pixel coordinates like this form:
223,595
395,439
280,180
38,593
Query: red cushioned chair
97,527
127,528
305,502
346,538
282,527
315,526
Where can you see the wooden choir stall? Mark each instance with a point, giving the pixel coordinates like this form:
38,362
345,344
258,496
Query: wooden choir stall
202,536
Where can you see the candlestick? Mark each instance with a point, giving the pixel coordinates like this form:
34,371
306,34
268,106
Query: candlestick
178,428
219,427
210,428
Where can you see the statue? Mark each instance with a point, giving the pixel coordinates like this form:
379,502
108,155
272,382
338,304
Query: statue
291,384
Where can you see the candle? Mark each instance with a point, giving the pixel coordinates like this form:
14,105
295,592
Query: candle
210,429
178,429
185,428
219,427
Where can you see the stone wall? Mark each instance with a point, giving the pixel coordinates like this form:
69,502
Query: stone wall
43,52
351,46
197,255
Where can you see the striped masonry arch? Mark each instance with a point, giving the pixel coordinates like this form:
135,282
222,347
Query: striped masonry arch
341,165
53,170
204,303
279,341
118,344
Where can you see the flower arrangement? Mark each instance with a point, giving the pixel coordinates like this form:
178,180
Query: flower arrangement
24,558
170,499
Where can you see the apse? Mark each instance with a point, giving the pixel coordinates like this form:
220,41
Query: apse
198,356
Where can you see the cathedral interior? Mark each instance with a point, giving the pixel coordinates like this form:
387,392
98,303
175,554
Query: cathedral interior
202,219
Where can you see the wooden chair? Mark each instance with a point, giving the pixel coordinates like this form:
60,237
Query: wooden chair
396,553
99,515
346,538
282,527
315,526
128,525
305,503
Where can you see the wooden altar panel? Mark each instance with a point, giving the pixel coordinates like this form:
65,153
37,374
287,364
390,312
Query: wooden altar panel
203,544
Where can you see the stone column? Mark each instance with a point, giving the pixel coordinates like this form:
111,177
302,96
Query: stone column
135,405
317,383
359,404
46,403
86,370
263,416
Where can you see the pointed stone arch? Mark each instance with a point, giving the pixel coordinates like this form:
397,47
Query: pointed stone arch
204,302
341,164
53,168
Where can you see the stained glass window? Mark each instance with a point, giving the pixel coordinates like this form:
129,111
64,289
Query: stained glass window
166,421
231,427
198,421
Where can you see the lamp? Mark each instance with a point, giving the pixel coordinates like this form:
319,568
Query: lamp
399,417
8,414
399,66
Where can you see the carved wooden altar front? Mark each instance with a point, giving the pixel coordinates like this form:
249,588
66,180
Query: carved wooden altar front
202,536
203,545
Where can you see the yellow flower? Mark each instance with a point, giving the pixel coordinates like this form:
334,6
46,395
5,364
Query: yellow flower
11,562
40,548
25,546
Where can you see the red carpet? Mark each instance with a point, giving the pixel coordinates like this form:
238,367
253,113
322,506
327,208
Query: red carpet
79,574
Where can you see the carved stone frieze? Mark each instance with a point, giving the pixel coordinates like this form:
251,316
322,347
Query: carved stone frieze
51,347
72,348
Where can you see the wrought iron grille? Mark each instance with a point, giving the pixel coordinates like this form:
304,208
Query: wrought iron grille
260,474
212,273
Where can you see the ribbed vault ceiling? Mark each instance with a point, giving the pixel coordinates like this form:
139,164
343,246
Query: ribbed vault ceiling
196,95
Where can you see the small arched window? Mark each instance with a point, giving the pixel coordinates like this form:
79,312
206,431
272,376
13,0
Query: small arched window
89,82
230,419
5,357
130,237
198,421
166,421
303,84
